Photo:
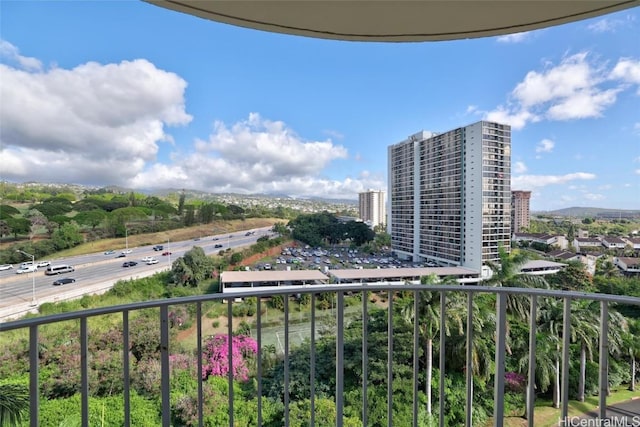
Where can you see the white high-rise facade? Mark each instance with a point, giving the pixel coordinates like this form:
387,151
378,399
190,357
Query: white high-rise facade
450,195
372,207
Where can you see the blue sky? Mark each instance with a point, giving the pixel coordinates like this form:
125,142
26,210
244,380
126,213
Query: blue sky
127,93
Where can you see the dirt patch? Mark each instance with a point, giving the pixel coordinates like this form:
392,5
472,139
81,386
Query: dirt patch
270,253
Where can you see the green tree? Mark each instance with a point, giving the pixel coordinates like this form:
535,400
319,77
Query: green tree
508,273
14,403
67,236
192,268
91,218
573,277
18,226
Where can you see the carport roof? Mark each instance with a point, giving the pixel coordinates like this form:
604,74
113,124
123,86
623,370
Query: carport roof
272,276
398,20
391,273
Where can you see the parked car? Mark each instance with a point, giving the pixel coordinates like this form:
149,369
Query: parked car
111,252
6,267
129,264
43,264
166,253
63,281
27,269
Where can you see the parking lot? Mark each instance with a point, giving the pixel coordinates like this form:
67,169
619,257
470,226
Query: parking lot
337,257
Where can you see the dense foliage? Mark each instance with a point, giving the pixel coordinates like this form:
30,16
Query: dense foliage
326,229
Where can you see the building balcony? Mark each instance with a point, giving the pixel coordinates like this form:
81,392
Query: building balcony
348,355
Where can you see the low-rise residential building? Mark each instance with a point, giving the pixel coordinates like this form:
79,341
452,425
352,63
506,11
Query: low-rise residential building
564,255
582,243
634,242
612,242
628,265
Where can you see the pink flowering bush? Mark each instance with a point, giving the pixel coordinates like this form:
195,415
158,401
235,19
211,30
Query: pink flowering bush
514,381
215,356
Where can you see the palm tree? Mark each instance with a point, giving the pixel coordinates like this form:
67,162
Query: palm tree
585,330
14,403
429,323
550,325
508,273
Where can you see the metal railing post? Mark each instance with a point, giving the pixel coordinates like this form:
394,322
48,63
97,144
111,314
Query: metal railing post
501,336
566,342
603,355
469,373
531,377
340,360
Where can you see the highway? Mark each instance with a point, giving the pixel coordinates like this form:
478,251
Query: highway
97,272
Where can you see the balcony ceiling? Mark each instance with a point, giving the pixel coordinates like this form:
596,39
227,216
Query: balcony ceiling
395,21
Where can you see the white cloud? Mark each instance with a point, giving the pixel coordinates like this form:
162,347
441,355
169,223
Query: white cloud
258,156
627,70
517,120
519,167
574,89
609,25
94,124
593,196
637,171
103,124
545,146
514,38
537,181
12,54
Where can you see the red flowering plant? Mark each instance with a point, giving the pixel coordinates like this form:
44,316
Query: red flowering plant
215,356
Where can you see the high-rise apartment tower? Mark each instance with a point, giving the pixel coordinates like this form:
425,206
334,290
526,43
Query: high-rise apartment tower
520,210
450,195
372,207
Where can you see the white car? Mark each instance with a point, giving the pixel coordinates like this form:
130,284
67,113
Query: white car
43,264
152,261
127,251
27,269
147,258
6,267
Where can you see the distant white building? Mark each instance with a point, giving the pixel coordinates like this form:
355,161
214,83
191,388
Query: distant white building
372,207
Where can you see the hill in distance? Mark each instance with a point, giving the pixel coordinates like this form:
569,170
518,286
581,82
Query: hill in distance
590,212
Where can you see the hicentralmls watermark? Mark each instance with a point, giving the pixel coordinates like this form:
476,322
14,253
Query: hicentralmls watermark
600,422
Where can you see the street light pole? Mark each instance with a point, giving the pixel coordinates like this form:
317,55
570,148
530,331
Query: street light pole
33,277
169,251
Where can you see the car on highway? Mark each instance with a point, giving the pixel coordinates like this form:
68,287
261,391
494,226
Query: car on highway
127,251
63,281
129,264
152,261
110,252
6,267
166,253
27,269
217,245
158,248
43,264
122,255
147,259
